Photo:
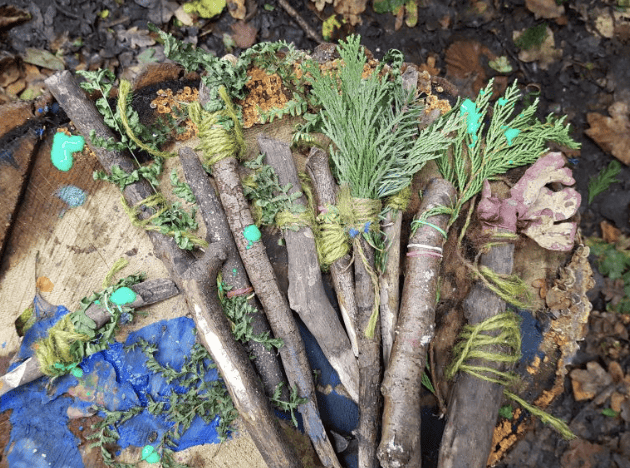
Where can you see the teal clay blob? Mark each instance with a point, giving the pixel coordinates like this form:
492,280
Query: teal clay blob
62,149
150,455
473,120
123,296
511,134
252,234
77,372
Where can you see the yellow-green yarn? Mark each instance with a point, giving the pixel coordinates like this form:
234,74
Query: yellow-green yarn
123,91
557,423
116,267
216,142
26,320
475,343
289,220
510,288
56,347
400,200
161,204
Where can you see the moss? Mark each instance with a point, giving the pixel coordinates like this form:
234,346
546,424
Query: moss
532,37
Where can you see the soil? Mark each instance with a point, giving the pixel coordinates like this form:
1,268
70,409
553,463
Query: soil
455,39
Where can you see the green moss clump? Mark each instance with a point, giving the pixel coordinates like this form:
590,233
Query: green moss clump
533,37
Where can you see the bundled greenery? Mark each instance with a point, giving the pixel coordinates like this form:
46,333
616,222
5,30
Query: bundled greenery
121,178
182,189
600,182
291,405
268,197
373,123
479,153
240,313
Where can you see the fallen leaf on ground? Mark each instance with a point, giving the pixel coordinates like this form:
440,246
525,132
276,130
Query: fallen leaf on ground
320,4
612,134
244,34
463,63
10,71
44,59
11,16
136,37
587,383
237,9
350,9
184,17
610,233
545,8
545,54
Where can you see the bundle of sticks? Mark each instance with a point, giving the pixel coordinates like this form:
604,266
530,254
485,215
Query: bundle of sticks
380,360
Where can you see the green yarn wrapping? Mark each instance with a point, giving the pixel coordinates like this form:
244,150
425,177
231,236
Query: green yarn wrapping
160,203
116,267
56,352
400,200
511,288
123,92
477,343
343,223
216,142
337,221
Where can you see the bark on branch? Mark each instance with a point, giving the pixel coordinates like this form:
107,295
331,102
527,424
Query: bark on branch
280,317
474,404
342,276
147,293
306,289
197,282
234,274
400,442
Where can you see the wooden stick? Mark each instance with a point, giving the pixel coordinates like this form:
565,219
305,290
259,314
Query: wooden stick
370,368
310,32
389,280
400,442
306,290
474,404
234,275
147,293
280,317
342,275
197,281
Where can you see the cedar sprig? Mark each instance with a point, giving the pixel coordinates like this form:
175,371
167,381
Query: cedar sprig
509,141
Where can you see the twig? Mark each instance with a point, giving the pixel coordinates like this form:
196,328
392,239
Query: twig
280,317
369,360
198,286
306,289
400,442
233,271
474,404
342,276
147,292
310,32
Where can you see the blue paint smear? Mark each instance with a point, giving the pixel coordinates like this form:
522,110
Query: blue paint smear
119,380
531,337
71,195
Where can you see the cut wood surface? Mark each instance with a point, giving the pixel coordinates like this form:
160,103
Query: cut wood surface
233,272
325,189
402,383
306,289
474,404
196,279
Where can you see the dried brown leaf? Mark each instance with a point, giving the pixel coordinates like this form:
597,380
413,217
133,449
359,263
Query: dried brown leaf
244,34
545,54
612,134
463,63
610,233
350,9
136,37
545,8
237,9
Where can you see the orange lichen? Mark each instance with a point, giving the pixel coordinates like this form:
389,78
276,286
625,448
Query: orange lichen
168,103
265,92
432,102
504,437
